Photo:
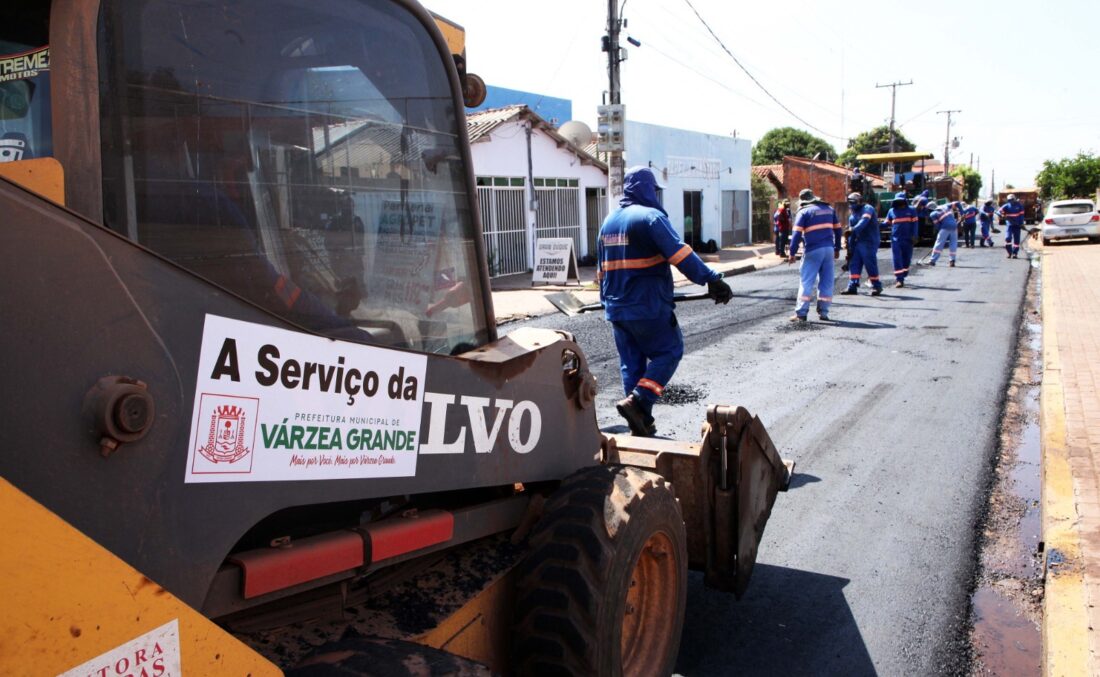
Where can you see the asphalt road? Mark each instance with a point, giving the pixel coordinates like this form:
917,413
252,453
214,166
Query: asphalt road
891,413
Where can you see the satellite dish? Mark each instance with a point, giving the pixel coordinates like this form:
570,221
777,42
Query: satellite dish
578,133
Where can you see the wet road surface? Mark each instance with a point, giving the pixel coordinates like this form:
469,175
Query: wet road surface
891,412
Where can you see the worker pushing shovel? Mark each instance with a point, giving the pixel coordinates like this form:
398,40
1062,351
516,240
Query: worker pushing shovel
636,250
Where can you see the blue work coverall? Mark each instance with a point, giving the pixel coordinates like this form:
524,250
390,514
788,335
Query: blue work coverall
637,248
902,220
817,224
863,243
985,217
969,215
947,232
1013,212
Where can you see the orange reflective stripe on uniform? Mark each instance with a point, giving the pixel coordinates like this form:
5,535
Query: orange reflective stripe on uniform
287,291
680,255
633,264
651,385
820,226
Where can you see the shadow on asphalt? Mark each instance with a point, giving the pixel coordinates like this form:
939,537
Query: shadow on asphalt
801,479
863,325
789,622
928,286
899,297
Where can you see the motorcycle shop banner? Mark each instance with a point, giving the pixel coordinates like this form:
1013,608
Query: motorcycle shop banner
275,405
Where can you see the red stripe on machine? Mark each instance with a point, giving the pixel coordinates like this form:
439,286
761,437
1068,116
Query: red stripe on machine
270,569
393,537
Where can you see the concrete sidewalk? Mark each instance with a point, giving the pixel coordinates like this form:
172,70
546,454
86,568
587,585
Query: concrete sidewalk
514,297
1070,422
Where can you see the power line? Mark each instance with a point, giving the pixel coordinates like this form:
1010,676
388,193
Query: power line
703,75
751,77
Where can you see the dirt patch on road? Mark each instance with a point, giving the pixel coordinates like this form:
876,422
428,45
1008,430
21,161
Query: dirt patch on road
1006,607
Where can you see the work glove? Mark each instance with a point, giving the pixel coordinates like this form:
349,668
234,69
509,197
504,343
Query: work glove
719,291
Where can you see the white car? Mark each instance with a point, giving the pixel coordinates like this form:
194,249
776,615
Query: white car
1066,219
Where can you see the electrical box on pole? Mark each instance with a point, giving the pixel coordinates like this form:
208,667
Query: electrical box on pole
610,127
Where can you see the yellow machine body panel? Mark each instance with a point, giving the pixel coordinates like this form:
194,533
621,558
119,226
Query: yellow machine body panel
82,607
44,176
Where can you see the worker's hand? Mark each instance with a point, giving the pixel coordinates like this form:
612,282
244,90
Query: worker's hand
719,291
790,259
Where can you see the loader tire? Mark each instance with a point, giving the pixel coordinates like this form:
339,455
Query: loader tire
603,588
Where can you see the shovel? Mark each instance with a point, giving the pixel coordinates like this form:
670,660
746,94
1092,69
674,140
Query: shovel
568,303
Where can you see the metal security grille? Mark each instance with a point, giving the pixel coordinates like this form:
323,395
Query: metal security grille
505,229
559,214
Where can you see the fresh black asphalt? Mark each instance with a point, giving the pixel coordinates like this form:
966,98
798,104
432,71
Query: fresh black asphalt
891,412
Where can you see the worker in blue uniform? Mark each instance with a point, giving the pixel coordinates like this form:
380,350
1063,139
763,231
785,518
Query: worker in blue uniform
985,218
863,242
947,233
636,250
1013,211
902,220
815,224
969,215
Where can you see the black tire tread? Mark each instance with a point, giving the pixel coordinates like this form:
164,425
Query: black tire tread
560,583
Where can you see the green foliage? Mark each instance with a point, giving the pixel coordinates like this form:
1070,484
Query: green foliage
1070,177
781,141
972,181
877,140
763,197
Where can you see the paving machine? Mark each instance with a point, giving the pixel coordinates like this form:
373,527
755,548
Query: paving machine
259,415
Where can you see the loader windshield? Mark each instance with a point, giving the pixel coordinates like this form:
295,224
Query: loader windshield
305,154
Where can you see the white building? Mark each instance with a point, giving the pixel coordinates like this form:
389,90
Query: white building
706,177
531,183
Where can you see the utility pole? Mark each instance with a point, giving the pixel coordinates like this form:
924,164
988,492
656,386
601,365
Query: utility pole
614,58
893,100
947,141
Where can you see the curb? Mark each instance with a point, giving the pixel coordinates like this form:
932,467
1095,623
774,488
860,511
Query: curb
1065,616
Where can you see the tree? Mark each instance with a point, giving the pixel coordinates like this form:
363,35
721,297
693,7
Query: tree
763,197
781,141
1070,177
877,140
972,181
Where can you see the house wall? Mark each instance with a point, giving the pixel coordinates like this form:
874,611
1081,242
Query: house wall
685,160
503,152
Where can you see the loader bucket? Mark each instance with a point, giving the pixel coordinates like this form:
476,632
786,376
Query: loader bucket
726,484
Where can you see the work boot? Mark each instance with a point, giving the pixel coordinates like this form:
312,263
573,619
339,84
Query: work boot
650,425
899,284
824,317
951,265
850,291
877,291
798,318
635,416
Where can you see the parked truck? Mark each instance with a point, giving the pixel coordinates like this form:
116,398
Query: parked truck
259,416
1029,198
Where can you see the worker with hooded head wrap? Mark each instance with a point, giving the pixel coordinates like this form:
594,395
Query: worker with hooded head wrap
985,217
902,220
636,250
863,242
1013,211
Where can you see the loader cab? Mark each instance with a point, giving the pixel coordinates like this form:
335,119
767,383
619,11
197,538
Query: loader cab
308,157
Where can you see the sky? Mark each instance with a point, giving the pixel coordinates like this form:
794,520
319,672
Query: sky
1024,75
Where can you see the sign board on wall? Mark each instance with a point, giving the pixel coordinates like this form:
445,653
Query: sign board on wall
555,261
